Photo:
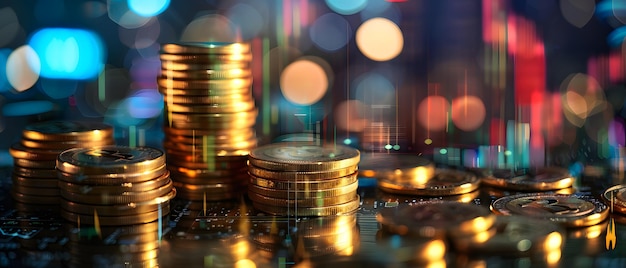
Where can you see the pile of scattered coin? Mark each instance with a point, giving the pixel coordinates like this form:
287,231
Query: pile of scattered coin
114,185
210,116
34,175
304,179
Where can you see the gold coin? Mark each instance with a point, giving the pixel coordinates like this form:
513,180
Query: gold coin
444,182
41,164
123,198
186,66
203,174
120,188
325,226
345,208
110,160
436,219
209,187
232,107
302,184
295,203
35,173
64,145
301,175
116,210
67,131
217,86
388,166
500,192
304,194
17,150
212,121
616,196
113,178
207,74
217,135
246,134
208,157
209,152
39,191
391,198
116,220
224,99
35,199
210,165
206,58
34,182
206,48
207,143
303,156
516,236
536,179
203,92
567,210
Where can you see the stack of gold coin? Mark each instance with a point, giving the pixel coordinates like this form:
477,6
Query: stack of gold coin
34,175
113,246
210,116
304,179
114,185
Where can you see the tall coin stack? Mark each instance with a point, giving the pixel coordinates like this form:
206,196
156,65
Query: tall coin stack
114,185
210,116
304,179
34,157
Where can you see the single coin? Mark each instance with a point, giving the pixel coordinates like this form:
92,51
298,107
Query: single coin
64,145
295,203
67,131
121,188
396,198
340,209
116,220
36,164
205,48
207,74
206,58
39,191
444,182
516,236
110,159
35,173
232,107
303,156
497,192
203,92
35,199
186,66
615,196
117,199
436,219
301,175
388,166
245,136
217,135
117,210
218,86
567,210
34,182
537,179
113,178
17,150
304,194
304,185
220,119
209,144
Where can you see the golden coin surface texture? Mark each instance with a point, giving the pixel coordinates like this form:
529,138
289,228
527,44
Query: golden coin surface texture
205,48
109,159
444,182
534,179
567,210
67,130
303,156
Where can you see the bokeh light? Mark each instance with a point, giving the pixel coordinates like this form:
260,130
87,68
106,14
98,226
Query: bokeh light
68,53
4,82
209,28
304,82
350,115
379,39
23,67
577,12
581,97
9,25
246,19
93,9
344,7
381,8
141,37
330,32
432,113
467,112
374,89
616,37
148,8
23,108
120,13
145,103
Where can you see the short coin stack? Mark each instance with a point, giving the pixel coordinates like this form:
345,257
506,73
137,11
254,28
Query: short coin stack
34,175
114,185
210,117
304,179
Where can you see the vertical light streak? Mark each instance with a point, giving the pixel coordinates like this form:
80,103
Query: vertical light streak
102,86
266,88
132,136
208,155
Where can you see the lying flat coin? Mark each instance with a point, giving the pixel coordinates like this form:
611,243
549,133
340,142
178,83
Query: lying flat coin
118,210
294,203
34,182
67,131
207,74
118,199
567,210
110,160
389,166
301,175
220,86
232,107
17,150
120,188
205,48
64,145
206,58
616,196
112,178
203,92
436,219
340,209
304,194
537,179
444,182
116,220
303,156
186,66
35,164
303,185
